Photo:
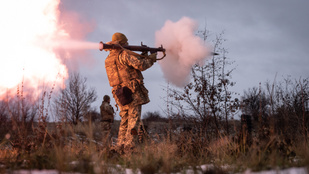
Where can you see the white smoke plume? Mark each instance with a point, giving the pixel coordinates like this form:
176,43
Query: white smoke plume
183,50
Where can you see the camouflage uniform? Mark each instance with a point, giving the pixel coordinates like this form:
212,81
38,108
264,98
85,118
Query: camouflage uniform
124,69
107,114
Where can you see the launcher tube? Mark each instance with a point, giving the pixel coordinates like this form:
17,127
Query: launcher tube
131,47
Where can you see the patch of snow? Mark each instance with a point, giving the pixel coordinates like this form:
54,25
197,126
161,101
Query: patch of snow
293,170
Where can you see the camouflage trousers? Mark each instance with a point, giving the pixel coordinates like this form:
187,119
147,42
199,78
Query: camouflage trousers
106,129
129,125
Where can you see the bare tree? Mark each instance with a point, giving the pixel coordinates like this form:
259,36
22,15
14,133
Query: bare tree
74,102
207,98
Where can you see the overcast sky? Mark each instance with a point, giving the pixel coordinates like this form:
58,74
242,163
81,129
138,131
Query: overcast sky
264,37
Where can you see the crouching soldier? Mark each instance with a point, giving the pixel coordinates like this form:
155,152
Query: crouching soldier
107,114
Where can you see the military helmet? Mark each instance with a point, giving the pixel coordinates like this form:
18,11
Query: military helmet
120,38
106,98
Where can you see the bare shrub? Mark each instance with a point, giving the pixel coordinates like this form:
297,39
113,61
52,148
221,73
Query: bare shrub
207,98
283,108
74,102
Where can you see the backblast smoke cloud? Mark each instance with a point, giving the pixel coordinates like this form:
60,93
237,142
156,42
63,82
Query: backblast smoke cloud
183,49
37,43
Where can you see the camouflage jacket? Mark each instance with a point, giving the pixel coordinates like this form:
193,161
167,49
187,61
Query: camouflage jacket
107,112
124,69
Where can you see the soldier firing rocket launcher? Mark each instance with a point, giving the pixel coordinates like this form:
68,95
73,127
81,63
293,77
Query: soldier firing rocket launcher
141,48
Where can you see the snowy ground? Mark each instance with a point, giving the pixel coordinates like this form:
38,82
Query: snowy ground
285,171
301,170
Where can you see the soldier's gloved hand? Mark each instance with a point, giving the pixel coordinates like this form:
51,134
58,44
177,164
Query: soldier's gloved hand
153,57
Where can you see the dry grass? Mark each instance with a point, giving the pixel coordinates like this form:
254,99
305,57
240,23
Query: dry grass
68,147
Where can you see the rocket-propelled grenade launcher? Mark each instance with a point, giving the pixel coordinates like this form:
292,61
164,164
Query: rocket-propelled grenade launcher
142,48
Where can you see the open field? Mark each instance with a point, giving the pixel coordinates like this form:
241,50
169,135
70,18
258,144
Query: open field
168,148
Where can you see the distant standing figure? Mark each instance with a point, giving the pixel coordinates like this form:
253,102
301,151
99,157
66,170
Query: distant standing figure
107,114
